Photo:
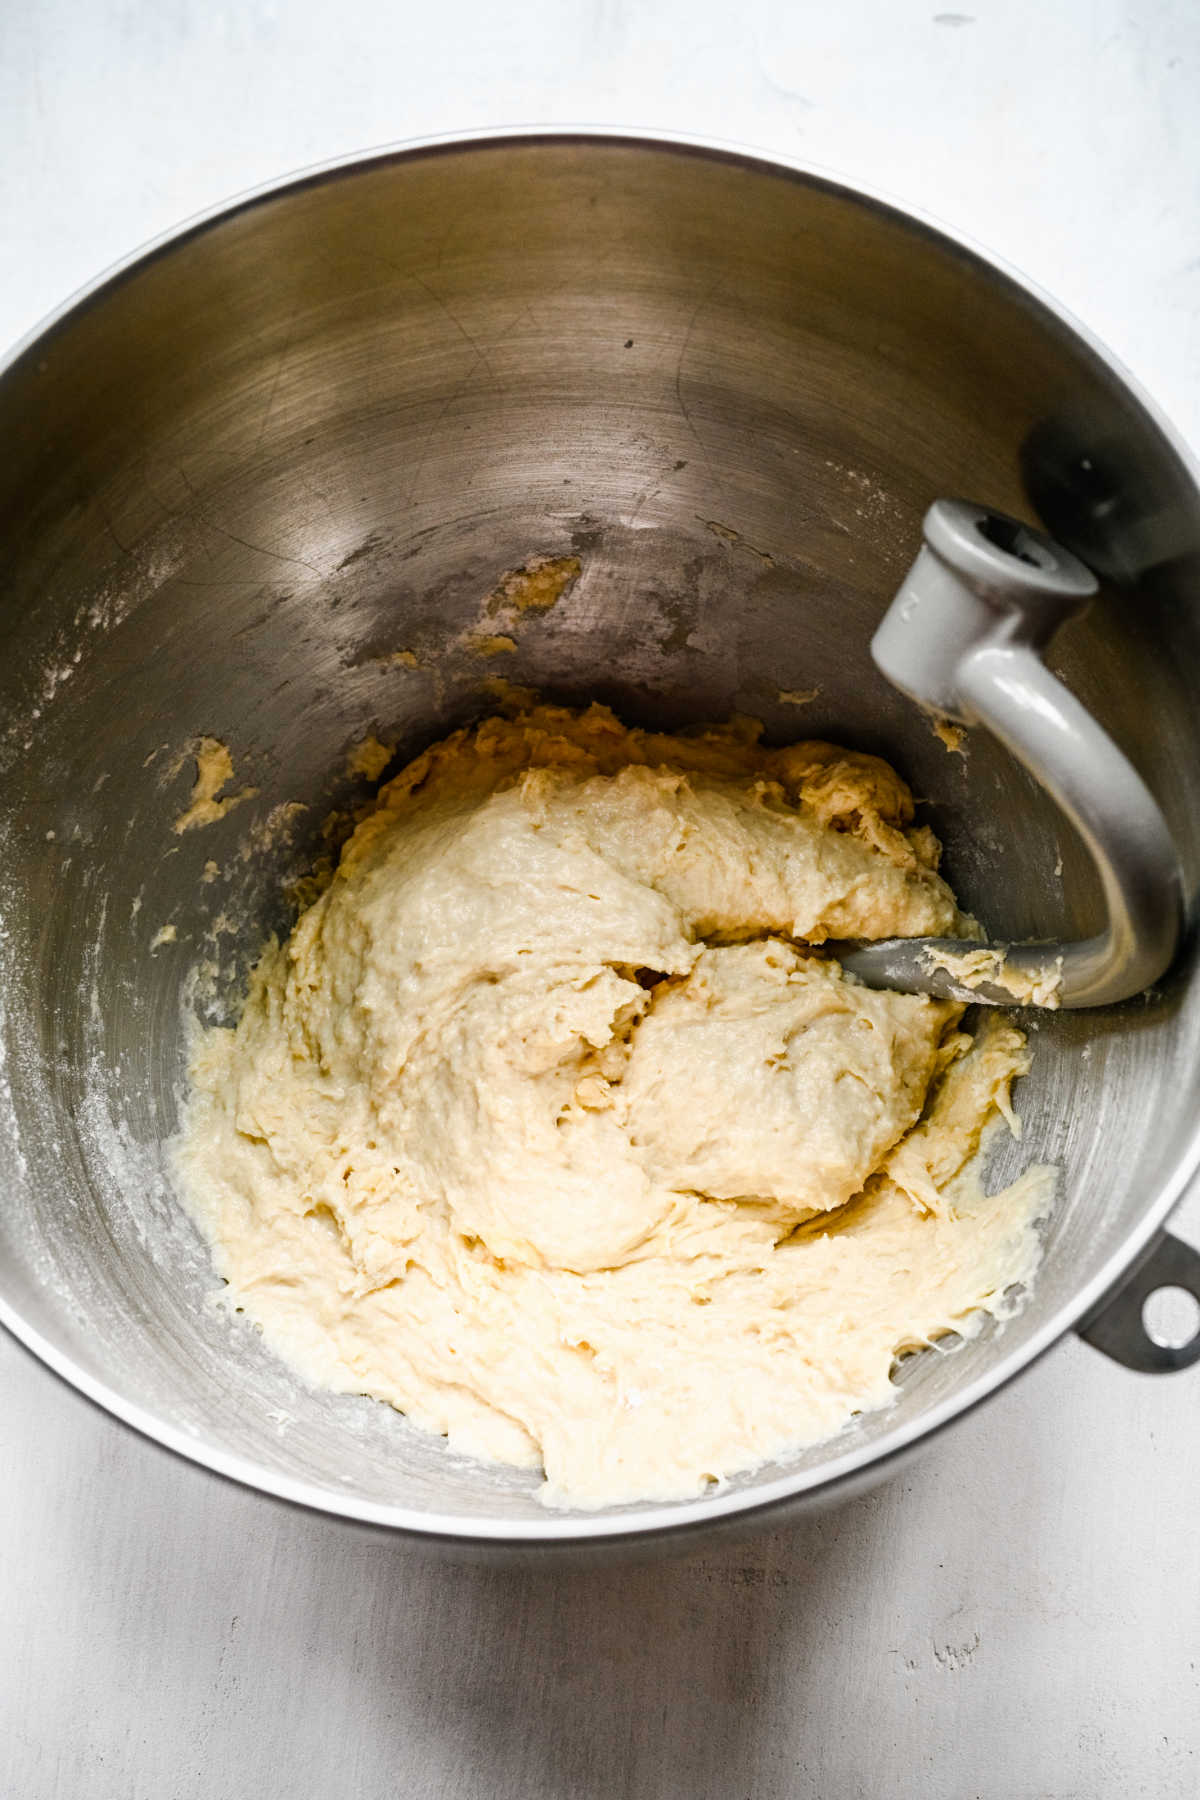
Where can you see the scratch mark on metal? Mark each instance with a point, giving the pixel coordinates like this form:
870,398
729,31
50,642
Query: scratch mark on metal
275,379
203,517
704,300
444,307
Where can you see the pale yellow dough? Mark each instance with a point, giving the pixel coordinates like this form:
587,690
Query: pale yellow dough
548,1126
214,771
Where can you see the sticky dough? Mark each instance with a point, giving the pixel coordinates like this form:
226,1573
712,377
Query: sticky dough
551,1126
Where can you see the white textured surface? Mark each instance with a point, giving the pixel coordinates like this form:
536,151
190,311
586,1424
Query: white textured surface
1017,1619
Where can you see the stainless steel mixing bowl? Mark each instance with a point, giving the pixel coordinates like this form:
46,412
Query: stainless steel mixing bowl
310,432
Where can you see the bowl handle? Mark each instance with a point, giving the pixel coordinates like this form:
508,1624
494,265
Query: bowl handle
964,638
1118,1325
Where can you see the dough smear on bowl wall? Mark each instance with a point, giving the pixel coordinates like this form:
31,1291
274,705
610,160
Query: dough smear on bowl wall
552,1126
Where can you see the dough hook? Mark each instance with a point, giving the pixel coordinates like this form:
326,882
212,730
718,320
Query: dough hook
964,637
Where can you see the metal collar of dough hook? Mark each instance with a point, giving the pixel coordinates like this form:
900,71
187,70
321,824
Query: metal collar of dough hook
964,637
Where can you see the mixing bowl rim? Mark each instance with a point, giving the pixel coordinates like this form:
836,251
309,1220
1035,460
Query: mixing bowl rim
653,1519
